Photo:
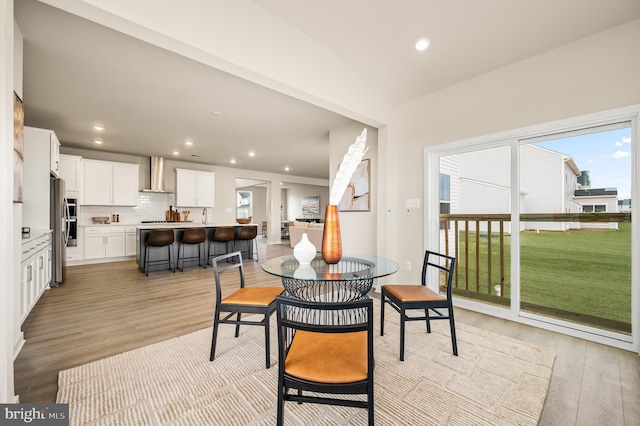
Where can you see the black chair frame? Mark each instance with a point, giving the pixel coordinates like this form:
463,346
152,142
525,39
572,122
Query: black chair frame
234,261
323,317
435,260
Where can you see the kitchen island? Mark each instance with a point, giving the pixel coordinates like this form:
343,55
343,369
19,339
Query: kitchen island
189,250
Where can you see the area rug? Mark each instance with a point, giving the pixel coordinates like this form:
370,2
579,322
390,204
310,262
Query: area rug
495,380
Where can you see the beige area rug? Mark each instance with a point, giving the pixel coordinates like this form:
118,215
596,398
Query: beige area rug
495,380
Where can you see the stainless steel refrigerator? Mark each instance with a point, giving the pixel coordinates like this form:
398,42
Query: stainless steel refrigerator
60,225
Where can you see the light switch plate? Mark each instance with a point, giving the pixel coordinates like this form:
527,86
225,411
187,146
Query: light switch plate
412,203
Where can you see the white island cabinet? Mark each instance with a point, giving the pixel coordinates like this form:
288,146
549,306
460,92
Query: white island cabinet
108,183
194,188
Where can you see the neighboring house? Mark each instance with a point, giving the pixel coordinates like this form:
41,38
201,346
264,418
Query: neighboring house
548,180
598,200
624,205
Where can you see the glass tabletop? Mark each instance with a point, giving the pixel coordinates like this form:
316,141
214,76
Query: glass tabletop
351,267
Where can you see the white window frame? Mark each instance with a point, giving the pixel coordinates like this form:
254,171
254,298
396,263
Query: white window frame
514,138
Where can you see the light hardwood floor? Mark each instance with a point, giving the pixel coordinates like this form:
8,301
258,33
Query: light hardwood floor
106,309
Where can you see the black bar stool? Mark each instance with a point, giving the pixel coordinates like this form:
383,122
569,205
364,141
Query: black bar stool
158,238
246,234
222,234
192,236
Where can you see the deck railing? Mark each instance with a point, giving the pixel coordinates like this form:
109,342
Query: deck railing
475,274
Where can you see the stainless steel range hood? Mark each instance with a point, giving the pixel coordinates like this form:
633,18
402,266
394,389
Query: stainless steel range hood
157,176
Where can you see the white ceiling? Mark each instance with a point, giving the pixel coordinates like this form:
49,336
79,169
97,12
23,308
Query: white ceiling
78,73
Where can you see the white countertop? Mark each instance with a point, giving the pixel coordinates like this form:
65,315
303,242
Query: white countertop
37,233
186,225
139,225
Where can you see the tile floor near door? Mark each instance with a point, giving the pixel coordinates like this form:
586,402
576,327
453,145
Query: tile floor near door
106,309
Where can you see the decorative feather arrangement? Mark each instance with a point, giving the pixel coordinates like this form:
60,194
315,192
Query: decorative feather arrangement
348,166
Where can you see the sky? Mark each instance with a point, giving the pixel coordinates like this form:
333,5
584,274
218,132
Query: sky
607,155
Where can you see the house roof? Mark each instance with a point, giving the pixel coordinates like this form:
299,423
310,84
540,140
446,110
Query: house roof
596,192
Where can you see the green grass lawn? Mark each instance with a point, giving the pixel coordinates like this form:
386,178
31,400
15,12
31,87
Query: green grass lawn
578,275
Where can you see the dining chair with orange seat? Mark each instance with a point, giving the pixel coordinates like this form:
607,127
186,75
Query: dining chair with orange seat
325,353
244,300
405,298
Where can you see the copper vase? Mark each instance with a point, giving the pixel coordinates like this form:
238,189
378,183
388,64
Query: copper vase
331,239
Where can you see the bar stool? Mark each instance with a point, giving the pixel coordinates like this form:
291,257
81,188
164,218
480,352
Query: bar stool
246,234
192,236
158,238
222,234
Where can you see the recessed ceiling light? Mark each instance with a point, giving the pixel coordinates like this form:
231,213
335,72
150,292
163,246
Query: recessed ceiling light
286,169
422,43
216,113
176,152
232,161
252,154
98,142
98,128
188,143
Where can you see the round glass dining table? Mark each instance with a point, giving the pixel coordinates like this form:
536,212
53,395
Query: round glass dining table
350,279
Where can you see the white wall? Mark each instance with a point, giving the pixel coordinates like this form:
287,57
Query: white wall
594,74
10,213
294,199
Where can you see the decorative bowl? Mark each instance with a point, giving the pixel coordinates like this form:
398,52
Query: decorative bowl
244,220
100,219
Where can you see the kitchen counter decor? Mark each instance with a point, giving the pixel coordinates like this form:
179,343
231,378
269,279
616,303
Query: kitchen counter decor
100,219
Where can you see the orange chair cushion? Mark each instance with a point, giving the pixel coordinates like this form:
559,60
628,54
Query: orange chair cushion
413,293
328,357
255,296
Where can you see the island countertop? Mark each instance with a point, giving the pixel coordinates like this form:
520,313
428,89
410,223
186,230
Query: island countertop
166,225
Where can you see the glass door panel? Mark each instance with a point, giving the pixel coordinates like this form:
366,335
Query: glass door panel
475,199
575,239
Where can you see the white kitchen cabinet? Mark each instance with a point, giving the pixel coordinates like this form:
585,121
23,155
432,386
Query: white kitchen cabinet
54,147
102,242
194,188
36,270
108,183
37,169
70,170
130,241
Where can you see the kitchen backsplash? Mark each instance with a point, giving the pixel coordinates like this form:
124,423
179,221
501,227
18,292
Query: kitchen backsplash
151,206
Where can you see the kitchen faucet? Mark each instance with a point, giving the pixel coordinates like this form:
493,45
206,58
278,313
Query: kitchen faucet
204,216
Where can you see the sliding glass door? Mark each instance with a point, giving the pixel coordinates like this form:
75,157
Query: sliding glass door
541,224
575,260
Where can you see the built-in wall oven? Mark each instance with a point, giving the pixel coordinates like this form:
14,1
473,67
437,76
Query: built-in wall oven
72,241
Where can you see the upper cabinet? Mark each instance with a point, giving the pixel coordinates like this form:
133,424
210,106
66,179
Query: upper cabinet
194,188
108,183
70,170
54,146
37,169
49,146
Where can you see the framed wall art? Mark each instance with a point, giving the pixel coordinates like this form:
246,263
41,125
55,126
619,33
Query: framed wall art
357,196
311,206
